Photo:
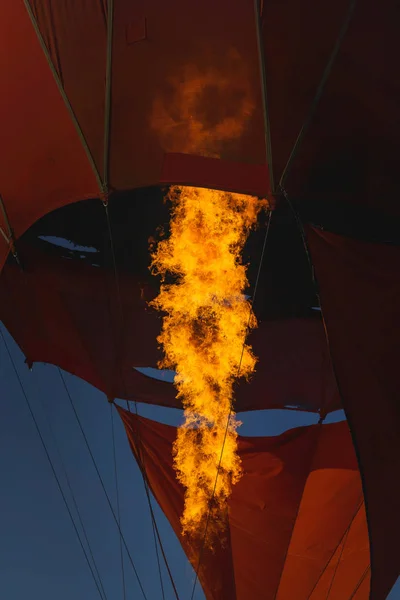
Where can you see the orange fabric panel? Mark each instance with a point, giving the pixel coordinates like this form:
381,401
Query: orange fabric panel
309,552
349,565
263,509
294,505
66,312
364,585
360,294
42,163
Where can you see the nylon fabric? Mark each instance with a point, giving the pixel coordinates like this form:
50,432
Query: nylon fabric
288,514
186,101
360,296
42,162
67,313
350,151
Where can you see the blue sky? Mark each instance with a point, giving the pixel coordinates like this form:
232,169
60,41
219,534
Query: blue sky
40,555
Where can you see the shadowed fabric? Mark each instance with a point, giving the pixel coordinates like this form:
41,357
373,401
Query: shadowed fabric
297,524
360,295
67,313
294,368
350,150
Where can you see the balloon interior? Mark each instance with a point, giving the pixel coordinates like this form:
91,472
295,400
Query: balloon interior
199,210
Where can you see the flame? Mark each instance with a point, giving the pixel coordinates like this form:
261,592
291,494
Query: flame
203,336
207,107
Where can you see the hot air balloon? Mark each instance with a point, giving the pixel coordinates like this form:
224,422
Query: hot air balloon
107,104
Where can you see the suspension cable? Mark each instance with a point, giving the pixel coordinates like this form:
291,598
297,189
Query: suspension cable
118,503
46,451
101,480
231,405
319,91
363,576
75,503
146,487
111,241
121,311
140,461
342,540
107,109
141,466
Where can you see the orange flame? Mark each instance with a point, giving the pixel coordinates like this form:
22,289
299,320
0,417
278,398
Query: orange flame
203,335
207,107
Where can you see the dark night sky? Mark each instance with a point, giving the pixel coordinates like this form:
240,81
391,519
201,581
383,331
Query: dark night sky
40,556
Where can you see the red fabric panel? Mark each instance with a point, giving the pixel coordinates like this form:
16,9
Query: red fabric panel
42,162
184,88
298,39
186,81
220,174
177,68
66,313
294,505
351,150
75,34
206,52
294,368
360,295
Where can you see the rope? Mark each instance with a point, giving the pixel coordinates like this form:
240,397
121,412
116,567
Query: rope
300,227
101,481
105,204
342,539
64,468
258,8
363,576
158,558
146,487
118,503
140,462
231,407
25,395
318,94
64,95
9,237
141,466
107,111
